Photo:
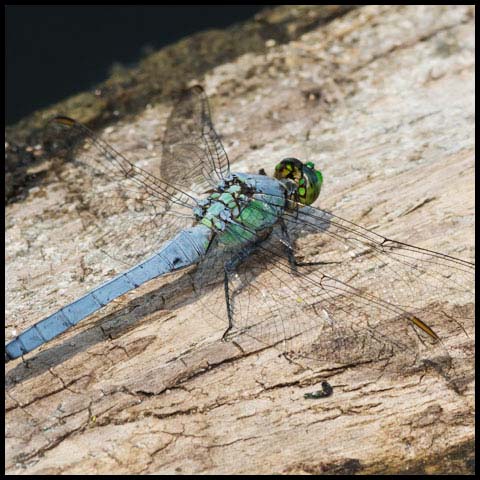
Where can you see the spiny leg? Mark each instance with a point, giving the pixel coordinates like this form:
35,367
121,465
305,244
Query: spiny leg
294,263
229,271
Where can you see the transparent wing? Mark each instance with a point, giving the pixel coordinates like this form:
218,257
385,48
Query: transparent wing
129,211
365,298
193,155
402,274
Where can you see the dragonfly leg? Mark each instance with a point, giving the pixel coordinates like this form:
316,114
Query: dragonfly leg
229,269
294,263
229,306
288,247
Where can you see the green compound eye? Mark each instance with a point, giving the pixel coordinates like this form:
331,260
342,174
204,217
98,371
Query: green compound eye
307,179
313,183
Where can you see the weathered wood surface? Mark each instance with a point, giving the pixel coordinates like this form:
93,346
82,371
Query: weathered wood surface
382,99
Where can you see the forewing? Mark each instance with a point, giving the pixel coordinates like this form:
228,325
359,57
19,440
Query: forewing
405,275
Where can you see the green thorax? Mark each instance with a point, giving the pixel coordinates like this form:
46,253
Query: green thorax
242,208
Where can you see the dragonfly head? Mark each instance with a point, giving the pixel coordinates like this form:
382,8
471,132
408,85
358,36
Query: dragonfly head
308,181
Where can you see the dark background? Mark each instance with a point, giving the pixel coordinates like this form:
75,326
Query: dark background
52,52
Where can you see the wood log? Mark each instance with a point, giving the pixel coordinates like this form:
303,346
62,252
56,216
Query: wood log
381,98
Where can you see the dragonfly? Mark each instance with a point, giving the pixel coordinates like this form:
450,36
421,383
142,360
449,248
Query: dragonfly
263,259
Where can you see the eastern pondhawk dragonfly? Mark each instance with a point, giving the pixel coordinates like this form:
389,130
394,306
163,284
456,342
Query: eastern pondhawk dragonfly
249,237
